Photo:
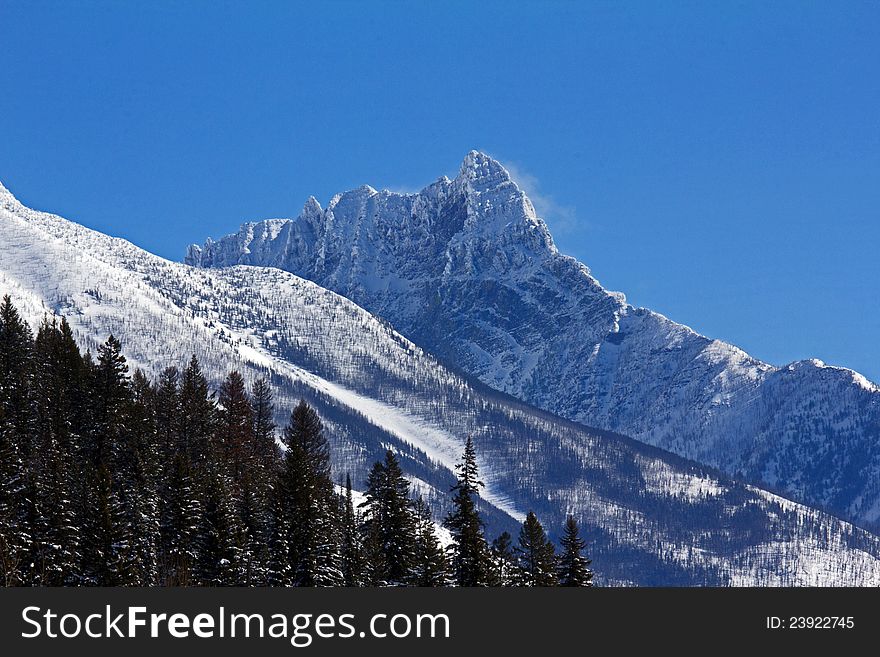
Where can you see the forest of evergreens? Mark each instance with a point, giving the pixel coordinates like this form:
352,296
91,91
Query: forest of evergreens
108,478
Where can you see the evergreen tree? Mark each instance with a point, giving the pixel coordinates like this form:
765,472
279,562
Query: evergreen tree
52,481
279,571
198,416
16,345
235,426
220,557
504,568
180,508
180,522
144,475
16,373
352,551
263,411
108,541
389,525
429,563
574,568
265,464
537,556
470,554
309,503
249,478
14,531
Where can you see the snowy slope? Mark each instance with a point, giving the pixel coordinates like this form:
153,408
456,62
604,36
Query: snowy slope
651,517
467,270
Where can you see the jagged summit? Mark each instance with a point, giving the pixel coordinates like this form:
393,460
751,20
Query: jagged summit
312,207
467,270
481,169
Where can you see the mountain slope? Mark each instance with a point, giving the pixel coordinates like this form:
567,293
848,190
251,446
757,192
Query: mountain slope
651,517
467,270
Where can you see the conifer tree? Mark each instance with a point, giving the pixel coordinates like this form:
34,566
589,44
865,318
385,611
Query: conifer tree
14,532
180,500
279,570
52,471
16,418
429,563
235,425
470,554
220,555
309,504
144,470
389,525
250,479
574,567
504,567
108,540
263,411
180,522
16,373
537,556
352,551
198,416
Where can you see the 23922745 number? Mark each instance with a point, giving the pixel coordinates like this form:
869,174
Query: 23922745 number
821,622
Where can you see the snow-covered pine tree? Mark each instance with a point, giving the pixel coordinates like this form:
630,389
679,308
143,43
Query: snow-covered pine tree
220,557
389,525
105,548
198,415
180,507
470,555
574,567
537,556
351,548
278,568
235,433
144,476
14,531
16,345
16,375
504,567
263,412
53,469
310,504
429,564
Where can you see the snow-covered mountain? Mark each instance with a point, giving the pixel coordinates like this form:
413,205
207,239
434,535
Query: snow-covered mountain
467,270
650,517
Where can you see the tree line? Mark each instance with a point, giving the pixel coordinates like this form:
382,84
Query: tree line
110,479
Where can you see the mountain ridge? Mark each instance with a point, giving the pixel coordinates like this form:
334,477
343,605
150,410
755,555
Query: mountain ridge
467,269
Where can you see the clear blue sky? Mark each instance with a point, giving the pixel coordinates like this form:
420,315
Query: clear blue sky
718,162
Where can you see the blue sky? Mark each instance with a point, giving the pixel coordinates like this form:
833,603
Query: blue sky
717,162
